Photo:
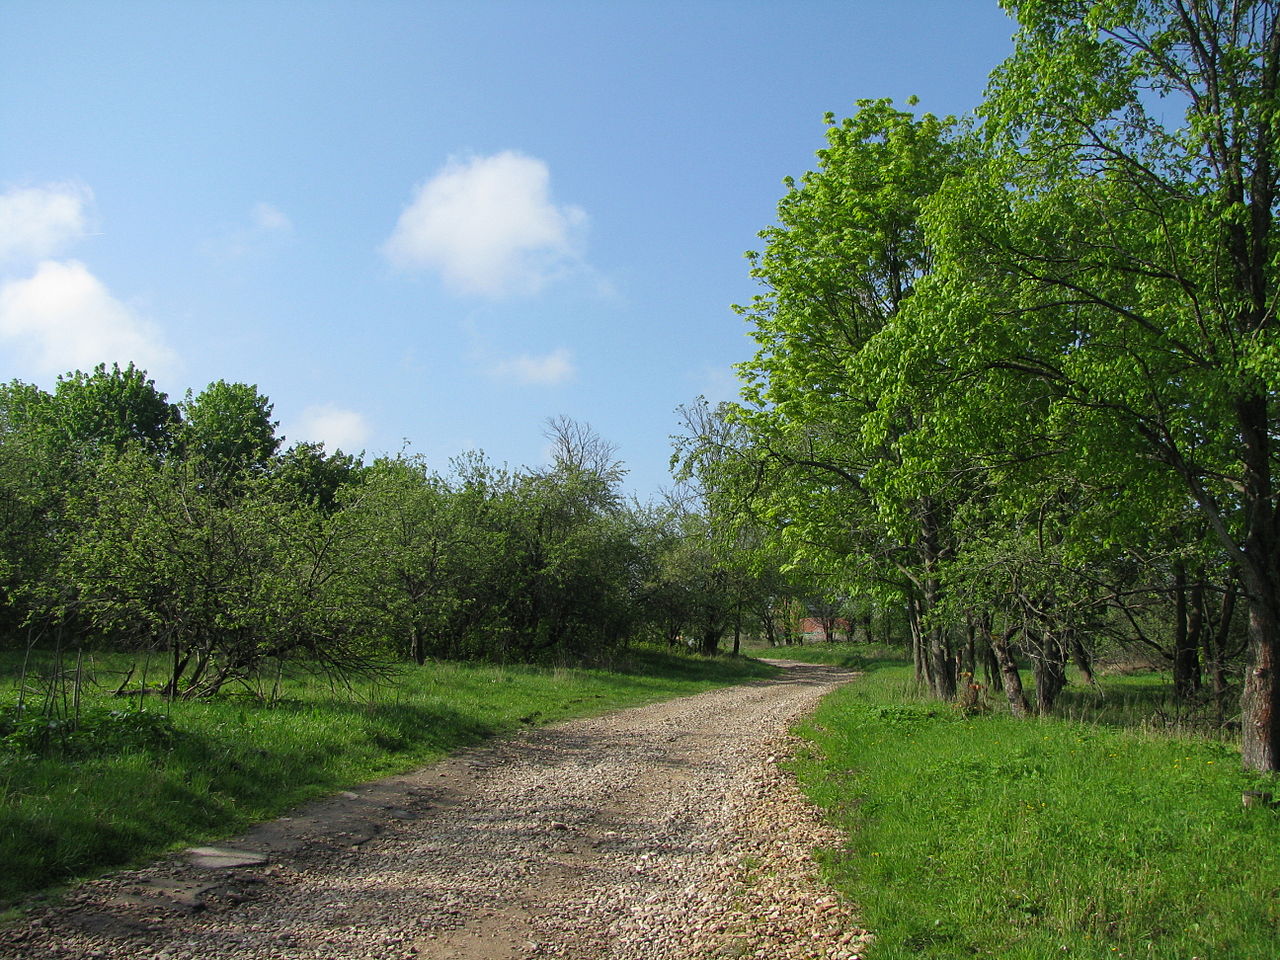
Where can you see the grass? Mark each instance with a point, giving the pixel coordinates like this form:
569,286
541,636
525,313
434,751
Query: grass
129,784
983,836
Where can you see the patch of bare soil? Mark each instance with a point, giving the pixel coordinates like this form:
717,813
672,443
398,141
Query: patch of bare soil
665,832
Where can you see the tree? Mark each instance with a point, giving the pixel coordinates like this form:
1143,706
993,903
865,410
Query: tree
162,559
306,474
843,262
30,489
1124,269
109,409
577,448
229,428
415,553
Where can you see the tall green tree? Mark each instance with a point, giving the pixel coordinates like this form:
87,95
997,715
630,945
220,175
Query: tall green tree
109,409
306,474
844,260
1117,257
228,426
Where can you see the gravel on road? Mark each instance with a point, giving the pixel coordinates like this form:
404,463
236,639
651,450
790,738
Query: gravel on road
664,832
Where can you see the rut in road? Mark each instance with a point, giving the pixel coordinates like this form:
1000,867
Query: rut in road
664,832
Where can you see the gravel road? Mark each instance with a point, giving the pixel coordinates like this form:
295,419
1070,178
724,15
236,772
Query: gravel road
664,832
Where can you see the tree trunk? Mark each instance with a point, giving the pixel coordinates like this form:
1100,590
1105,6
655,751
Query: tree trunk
1260,712
917,642
1215,646
1009,672
991,668
1081,656
968,662
941,668
1186,647
1049,668
711,640
1195,632
179,666
1260,699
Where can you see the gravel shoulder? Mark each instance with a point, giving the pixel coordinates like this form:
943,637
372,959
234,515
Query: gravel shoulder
665,832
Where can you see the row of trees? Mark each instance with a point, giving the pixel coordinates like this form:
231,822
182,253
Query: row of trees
1019,376
141,524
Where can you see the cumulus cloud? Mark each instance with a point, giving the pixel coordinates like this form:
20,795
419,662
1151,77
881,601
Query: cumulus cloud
548,370
269,219
336,428
64,318
267,227
488,226
36,222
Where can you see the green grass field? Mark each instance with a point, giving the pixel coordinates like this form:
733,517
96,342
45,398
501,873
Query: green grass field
983,836
137,778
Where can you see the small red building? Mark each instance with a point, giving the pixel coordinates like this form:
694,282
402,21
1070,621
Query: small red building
811,629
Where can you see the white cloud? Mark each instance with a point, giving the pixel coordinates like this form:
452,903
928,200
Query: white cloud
336,428
64,318
488,226
267,228
270,219
37,222
553,368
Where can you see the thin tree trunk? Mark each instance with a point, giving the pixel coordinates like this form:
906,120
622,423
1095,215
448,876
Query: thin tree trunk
941,668
969,653
991,668
1195,633
1260,698
917,643
1081,656
1215,645
1186,662
1050,672
1009,672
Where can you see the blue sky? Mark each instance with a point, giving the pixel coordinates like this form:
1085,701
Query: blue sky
432,222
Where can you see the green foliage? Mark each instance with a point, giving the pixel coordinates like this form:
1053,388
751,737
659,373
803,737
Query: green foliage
820,447
108,409
228,427
1022,377
416,554
133,528
1038,839
305,474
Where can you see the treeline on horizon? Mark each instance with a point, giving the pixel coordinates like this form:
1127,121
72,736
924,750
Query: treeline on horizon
1018,374
185,530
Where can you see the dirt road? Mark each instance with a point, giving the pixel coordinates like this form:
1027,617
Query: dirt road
664,832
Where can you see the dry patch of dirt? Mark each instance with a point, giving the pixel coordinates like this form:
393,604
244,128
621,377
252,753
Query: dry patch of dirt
665,832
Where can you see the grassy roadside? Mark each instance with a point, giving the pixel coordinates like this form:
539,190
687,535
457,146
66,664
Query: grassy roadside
132,783
982,836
